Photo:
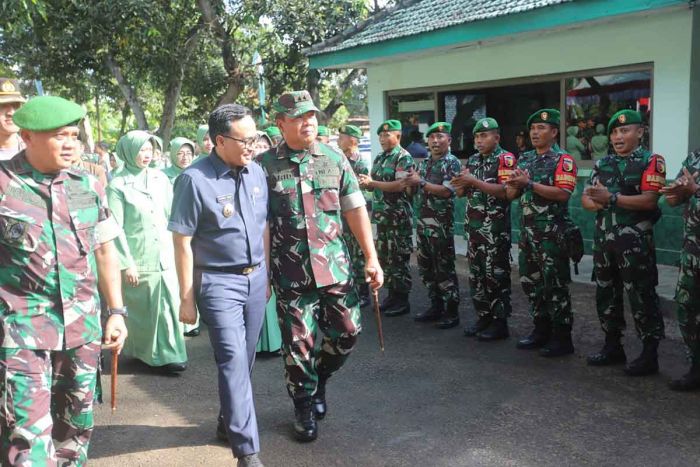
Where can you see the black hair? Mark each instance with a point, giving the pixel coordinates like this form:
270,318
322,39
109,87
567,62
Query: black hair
221,118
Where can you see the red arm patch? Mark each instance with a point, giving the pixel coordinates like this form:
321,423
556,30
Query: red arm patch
654,176
565,173
506,165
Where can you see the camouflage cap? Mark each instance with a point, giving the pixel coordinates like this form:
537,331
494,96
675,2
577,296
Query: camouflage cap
294,104
485,124
273,132
389,125
350,130
9,91
624,117
46,113
323,131
550,116
439,127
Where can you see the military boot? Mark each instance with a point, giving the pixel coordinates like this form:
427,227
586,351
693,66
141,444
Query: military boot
538,337
364,295
399,306
319,398
387,302
559,344
431,314
305,428
612,352
689,381
450,317
497,330
481,324
648,361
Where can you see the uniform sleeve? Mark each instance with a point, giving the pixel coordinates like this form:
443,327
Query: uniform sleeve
350,195
405,162
186,207
506,166
565,173
107,228
654,176
452,169
595,173
115,197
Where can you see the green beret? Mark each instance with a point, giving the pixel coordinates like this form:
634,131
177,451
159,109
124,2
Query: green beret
389,125
294,104
350,130
46,113
550,116
624,117
323,131
439,127
485,124
273,132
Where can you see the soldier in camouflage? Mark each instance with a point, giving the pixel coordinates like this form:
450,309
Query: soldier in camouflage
393,215
686,190
311,189
487,227
348,142
623,191
56,235
434,205
544,180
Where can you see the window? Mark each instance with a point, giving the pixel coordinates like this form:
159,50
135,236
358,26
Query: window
416,112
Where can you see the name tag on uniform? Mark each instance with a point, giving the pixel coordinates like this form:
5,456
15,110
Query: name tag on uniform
224,199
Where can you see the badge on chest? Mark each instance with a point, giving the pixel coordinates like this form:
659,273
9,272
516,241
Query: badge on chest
226,203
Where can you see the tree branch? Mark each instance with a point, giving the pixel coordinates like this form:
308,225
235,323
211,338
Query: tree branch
128,92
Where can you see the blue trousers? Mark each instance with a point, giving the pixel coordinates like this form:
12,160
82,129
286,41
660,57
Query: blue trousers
233,308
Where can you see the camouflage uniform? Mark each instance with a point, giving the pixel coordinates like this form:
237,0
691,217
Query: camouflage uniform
49,311
359,167
543,260
393,215
688,289
624,255
310,262
487,223
435,231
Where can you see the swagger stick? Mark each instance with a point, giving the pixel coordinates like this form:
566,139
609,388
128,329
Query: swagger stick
378,315
115,366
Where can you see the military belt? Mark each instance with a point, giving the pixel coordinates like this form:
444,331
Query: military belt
244,270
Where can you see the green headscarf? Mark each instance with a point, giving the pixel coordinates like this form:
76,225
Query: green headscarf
129,146
201,133
158,142
175,145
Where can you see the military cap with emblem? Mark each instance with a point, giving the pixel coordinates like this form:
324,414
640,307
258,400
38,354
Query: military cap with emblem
323,131
624,117
485,124
294,104
550,116
9,91
439,127
273,131
350,130
46,113
389,125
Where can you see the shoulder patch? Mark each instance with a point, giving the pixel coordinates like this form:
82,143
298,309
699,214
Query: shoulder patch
509,160
567,164
660,165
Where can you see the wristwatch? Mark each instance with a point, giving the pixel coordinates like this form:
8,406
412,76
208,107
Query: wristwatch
422,183
613,199
118,311
529,186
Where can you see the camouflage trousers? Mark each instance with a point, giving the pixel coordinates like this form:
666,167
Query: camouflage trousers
489,278
545,275
335,310
625,259
46,413
688,299
357,258
436,265
394,248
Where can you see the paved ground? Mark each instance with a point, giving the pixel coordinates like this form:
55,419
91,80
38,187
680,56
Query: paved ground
435,398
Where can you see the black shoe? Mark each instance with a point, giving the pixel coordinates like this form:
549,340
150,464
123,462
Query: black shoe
319,399
612,352
387,302
688,382
171,368
221,432
450,317
497,330
648,361
431,314
481,324
399,306
538,337
305,428
364,295
193,333
559,344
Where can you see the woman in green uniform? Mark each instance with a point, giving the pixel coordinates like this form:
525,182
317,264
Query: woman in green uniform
181,157
140,199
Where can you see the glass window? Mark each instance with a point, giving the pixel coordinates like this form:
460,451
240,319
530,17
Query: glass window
592,100
416,112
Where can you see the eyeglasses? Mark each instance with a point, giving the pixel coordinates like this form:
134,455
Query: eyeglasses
248,143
